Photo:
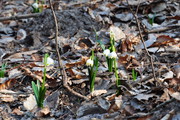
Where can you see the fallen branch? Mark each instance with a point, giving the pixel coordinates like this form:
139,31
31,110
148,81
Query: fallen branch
63,72
17,17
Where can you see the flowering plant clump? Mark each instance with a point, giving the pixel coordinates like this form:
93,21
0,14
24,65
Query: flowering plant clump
111,57
92,64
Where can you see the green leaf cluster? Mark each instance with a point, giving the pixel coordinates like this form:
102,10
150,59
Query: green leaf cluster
40,89
3,69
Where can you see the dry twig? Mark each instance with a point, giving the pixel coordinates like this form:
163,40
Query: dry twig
142,40
63,72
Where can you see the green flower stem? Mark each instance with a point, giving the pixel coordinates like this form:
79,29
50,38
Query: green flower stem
92,70
118,82
110,65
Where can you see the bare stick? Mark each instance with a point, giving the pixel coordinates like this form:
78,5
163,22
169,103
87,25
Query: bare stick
142,40
17,17
63,72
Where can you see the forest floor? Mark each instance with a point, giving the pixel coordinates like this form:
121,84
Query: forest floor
147,41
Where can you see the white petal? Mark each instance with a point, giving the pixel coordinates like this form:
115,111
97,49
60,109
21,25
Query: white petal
89,62
106,52
35,5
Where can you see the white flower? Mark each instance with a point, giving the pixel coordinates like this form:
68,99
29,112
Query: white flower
50,61
150,16
89,62
35,5
112,55
106,52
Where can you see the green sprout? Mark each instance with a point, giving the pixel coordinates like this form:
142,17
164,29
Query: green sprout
134,74
92,64
151,18
3,69
40,90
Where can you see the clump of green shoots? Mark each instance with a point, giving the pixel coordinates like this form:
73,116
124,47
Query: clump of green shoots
151,18
92,64
40,89
3,69
134,74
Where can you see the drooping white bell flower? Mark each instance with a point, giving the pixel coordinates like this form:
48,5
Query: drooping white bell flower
106,52
35,5
112,55
89,62
50,61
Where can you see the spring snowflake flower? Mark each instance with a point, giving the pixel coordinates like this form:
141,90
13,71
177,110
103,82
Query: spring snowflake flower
35,5
50,61
112,55
106,52
89,62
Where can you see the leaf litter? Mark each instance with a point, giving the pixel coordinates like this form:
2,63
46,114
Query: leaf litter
23,42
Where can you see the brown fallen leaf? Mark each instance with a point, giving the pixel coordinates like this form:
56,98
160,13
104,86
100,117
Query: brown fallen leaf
116,105
98,92
7,98
8,84
17,111
174,94
43,112
173,81
82,62
163,40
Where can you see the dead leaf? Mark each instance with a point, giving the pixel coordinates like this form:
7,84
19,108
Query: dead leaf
98,92
173,81
174,94
118,33
7,98
8,84
125,17
36,57
144,96
176,70
52,100
17,111
148,117
163,40
116,105
43,112
30,103
82,62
